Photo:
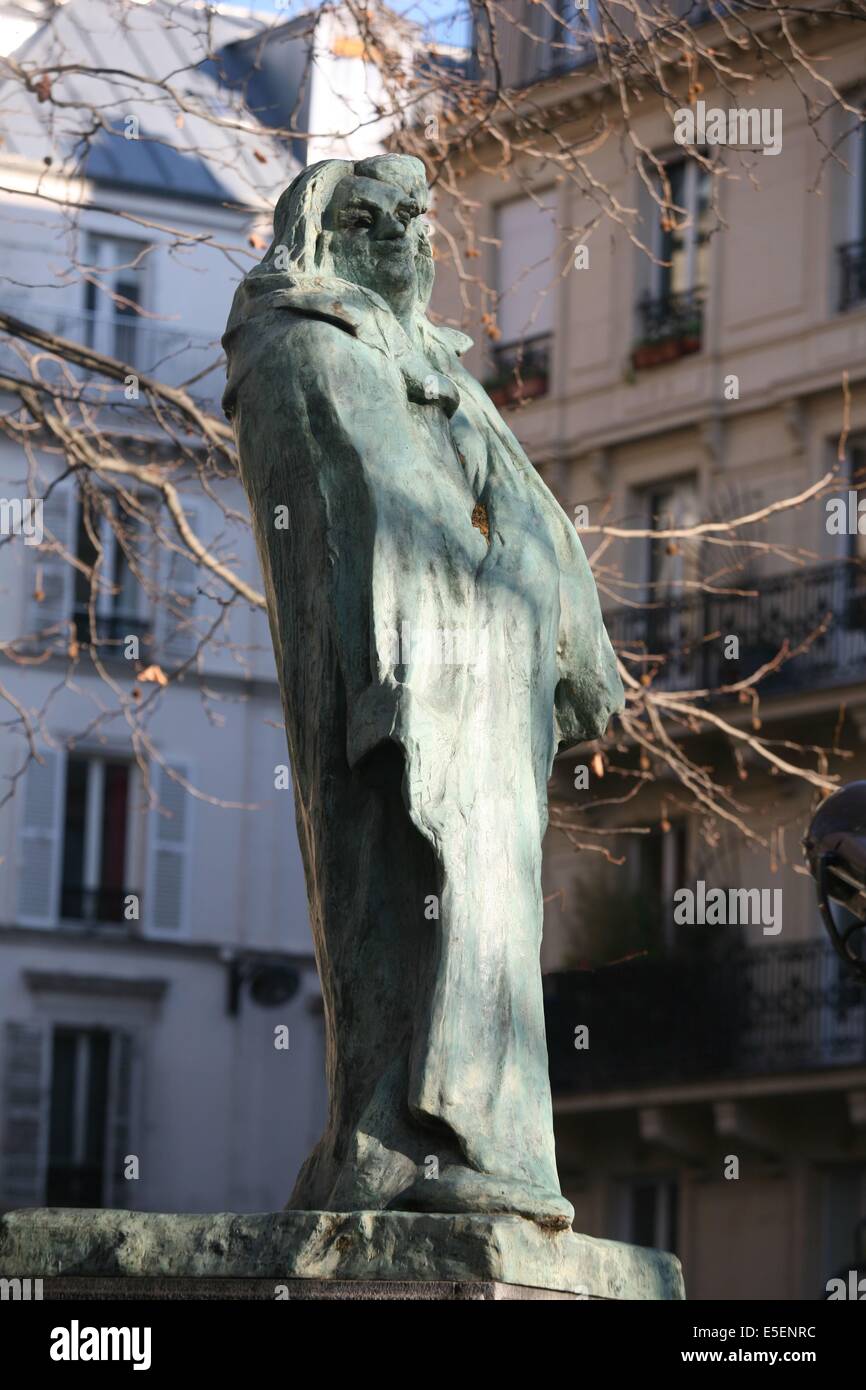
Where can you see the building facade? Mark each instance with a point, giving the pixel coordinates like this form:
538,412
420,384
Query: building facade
161,1030
709,1080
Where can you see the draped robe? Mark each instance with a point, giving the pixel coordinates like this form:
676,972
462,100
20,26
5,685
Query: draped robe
420,771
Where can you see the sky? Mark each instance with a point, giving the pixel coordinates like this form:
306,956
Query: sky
445,20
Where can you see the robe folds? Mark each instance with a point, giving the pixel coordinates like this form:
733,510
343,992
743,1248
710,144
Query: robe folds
429,673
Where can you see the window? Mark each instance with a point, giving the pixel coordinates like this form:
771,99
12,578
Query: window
849,579
672,621
669,506
70,1110
684,247
116,542
657,869
651,1213
59,591
571,29
852,251
527,281
853,541
82,841
78,1112
144,589
670,311
96,831
113,296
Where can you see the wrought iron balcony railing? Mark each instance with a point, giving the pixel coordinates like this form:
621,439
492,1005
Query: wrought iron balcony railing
95,906
699,1015
167,351
671,326
852,274
521,371
681,644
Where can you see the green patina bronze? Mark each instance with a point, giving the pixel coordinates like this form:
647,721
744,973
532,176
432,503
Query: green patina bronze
438,637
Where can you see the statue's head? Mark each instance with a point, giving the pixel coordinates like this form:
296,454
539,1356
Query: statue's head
359,222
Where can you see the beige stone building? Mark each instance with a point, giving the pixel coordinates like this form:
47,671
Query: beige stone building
719,1108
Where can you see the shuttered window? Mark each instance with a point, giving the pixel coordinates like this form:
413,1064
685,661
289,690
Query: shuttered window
48,608
40,839
166,906
527,279
70,1115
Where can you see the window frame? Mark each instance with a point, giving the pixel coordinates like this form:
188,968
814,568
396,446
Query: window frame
94,821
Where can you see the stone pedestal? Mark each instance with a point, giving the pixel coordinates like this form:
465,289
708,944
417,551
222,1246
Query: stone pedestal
333,1255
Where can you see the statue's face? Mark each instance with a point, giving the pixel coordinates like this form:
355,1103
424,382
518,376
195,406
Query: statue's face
375,237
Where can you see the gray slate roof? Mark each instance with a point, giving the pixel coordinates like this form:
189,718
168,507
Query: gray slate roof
126,53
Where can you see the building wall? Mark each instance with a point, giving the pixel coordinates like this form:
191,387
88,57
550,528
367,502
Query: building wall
220,1111
602,437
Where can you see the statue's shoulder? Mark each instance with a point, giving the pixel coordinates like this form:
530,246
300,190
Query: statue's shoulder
280,330
323,299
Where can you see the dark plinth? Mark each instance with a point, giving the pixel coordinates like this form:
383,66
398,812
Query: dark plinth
293,1290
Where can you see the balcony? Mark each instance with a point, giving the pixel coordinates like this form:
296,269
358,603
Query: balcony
679,645
96,907
521,371
166,351
704,1016
852,274
671,326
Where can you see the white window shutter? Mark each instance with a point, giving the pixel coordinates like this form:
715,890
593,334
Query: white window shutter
40,839
177,636
169,839
51,577
527,271
123,1132
26,1089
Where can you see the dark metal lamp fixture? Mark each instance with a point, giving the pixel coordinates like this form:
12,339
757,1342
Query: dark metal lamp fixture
271,981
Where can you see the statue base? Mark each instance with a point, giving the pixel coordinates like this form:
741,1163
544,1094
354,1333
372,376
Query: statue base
322,1254
114,1289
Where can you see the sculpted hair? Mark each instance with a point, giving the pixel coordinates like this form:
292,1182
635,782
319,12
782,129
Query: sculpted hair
300,211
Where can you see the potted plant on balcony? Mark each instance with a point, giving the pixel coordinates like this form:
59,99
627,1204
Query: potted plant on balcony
504,388
651,352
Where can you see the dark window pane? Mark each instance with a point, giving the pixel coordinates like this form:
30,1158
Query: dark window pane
87,552
114,822
79,1086
125,597
61,1139
97,1100
126,319
73,836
